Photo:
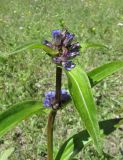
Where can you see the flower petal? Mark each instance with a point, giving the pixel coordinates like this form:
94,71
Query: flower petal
68,65
57,37
68,39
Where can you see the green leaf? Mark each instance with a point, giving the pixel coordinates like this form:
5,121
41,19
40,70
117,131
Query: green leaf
87,45
48,50
4,155
81,94
99,73
77,142
18,112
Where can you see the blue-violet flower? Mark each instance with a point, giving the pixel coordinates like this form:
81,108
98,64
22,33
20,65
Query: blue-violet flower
62,42
50,97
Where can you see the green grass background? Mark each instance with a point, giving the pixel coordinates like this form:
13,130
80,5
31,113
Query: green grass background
29,74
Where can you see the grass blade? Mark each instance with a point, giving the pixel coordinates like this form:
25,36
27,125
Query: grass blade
17,113
81,94
99,73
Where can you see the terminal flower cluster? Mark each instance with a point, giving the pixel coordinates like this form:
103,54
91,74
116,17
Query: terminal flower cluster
62,41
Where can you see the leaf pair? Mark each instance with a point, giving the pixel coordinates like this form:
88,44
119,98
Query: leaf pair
48,50
80,90
69,149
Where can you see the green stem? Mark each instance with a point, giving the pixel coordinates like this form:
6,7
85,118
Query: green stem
58,87
53,113
51,119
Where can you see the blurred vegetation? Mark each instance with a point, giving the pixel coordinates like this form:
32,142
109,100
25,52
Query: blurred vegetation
29,74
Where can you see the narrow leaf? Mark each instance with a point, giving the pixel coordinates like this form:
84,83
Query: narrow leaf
87,45
48,50
4,155
25,47
100,73
77,142
10,118
81,94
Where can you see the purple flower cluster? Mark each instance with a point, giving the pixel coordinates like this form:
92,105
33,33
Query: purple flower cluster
50,97
62,42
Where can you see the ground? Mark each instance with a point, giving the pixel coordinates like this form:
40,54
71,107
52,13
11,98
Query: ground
28,75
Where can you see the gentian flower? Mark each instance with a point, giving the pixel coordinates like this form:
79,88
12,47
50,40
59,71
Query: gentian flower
68,65
62,42
50,97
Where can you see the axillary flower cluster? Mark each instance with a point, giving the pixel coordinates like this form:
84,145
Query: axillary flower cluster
62,41
50,97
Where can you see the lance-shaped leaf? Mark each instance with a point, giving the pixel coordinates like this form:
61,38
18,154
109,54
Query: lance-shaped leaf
81,94
17,113
100,73
77,142
48,50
